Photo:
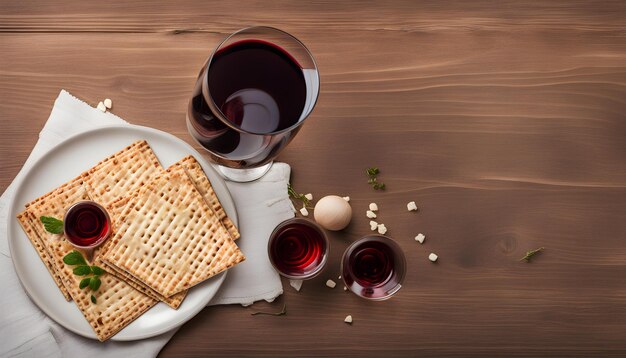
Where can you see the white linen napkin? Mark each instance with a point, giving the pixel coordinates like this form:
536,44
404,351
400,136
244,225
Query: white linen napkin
261,205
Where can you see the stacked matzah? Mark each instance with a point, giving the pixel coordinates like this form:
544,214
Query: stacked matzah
137,279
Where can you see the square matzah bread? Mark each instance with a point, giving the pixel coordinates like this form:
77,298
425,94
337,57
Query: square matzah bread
202,183
123,172
118,303
136,158
193,169
115,210
169,239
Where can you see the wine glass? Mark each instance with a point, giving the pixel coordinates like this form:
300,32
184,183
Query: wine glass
298,249
374,267
251,98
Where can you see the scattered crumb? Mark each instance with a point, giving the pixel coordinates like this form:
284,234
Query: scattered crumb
370,214
296,284
108,103
346,198
433,257
345,288
373,225
373,207
382,229
101,107
348,319
339,278
420,238
331,283
411,206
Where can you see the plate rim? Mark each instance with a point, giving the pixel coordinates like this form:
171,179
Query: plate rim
12,212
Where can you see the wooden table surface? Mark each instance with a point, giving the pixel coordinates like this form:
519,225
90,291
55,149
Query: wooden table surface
505,122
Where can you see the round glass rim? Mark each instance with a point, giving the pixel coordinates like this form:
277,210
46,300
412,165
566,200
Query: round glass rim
102,239
321,265
402,260
220,115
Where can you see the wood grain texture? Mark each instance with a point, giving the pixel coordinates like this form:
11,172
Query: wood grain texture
505,121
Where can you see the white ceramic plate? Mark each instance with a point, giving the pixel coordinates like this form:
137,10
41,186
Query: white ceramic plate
65,162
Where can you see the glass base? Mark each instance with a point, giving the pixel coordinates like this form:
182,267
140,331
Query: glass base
242,175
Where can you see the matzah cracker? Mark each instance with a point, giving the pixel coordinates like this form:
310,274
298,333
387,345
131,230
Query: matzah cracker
115,210
29,222
202,183
120,304
117,303
121,173
167,237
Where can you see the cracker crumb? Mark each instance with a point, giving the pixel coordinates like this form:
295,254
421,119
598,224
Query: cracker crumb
101,107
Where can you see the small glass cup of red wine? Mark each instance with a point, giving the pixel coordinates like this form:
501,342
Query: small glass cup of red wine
86,225
250,99
298,249
374,267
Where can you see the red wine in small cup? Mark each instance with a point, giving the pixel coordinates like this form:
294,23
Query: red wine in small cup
86,224
298,249
260,89
374,267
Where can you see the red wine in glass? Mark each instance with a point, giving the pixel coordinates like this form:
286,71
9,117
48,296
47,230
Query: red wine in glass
298,248
374,267
251,98
86,224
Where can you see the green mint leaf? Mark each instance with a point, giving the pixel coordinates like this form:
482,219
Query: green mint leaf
97,270
82,270
94,284
84,282
74,258
93,299
52,225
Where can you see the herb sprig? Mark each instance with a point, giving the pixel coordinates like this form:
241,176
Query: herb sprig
531,253
52,225
372,173
93,272
297,196
281,313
